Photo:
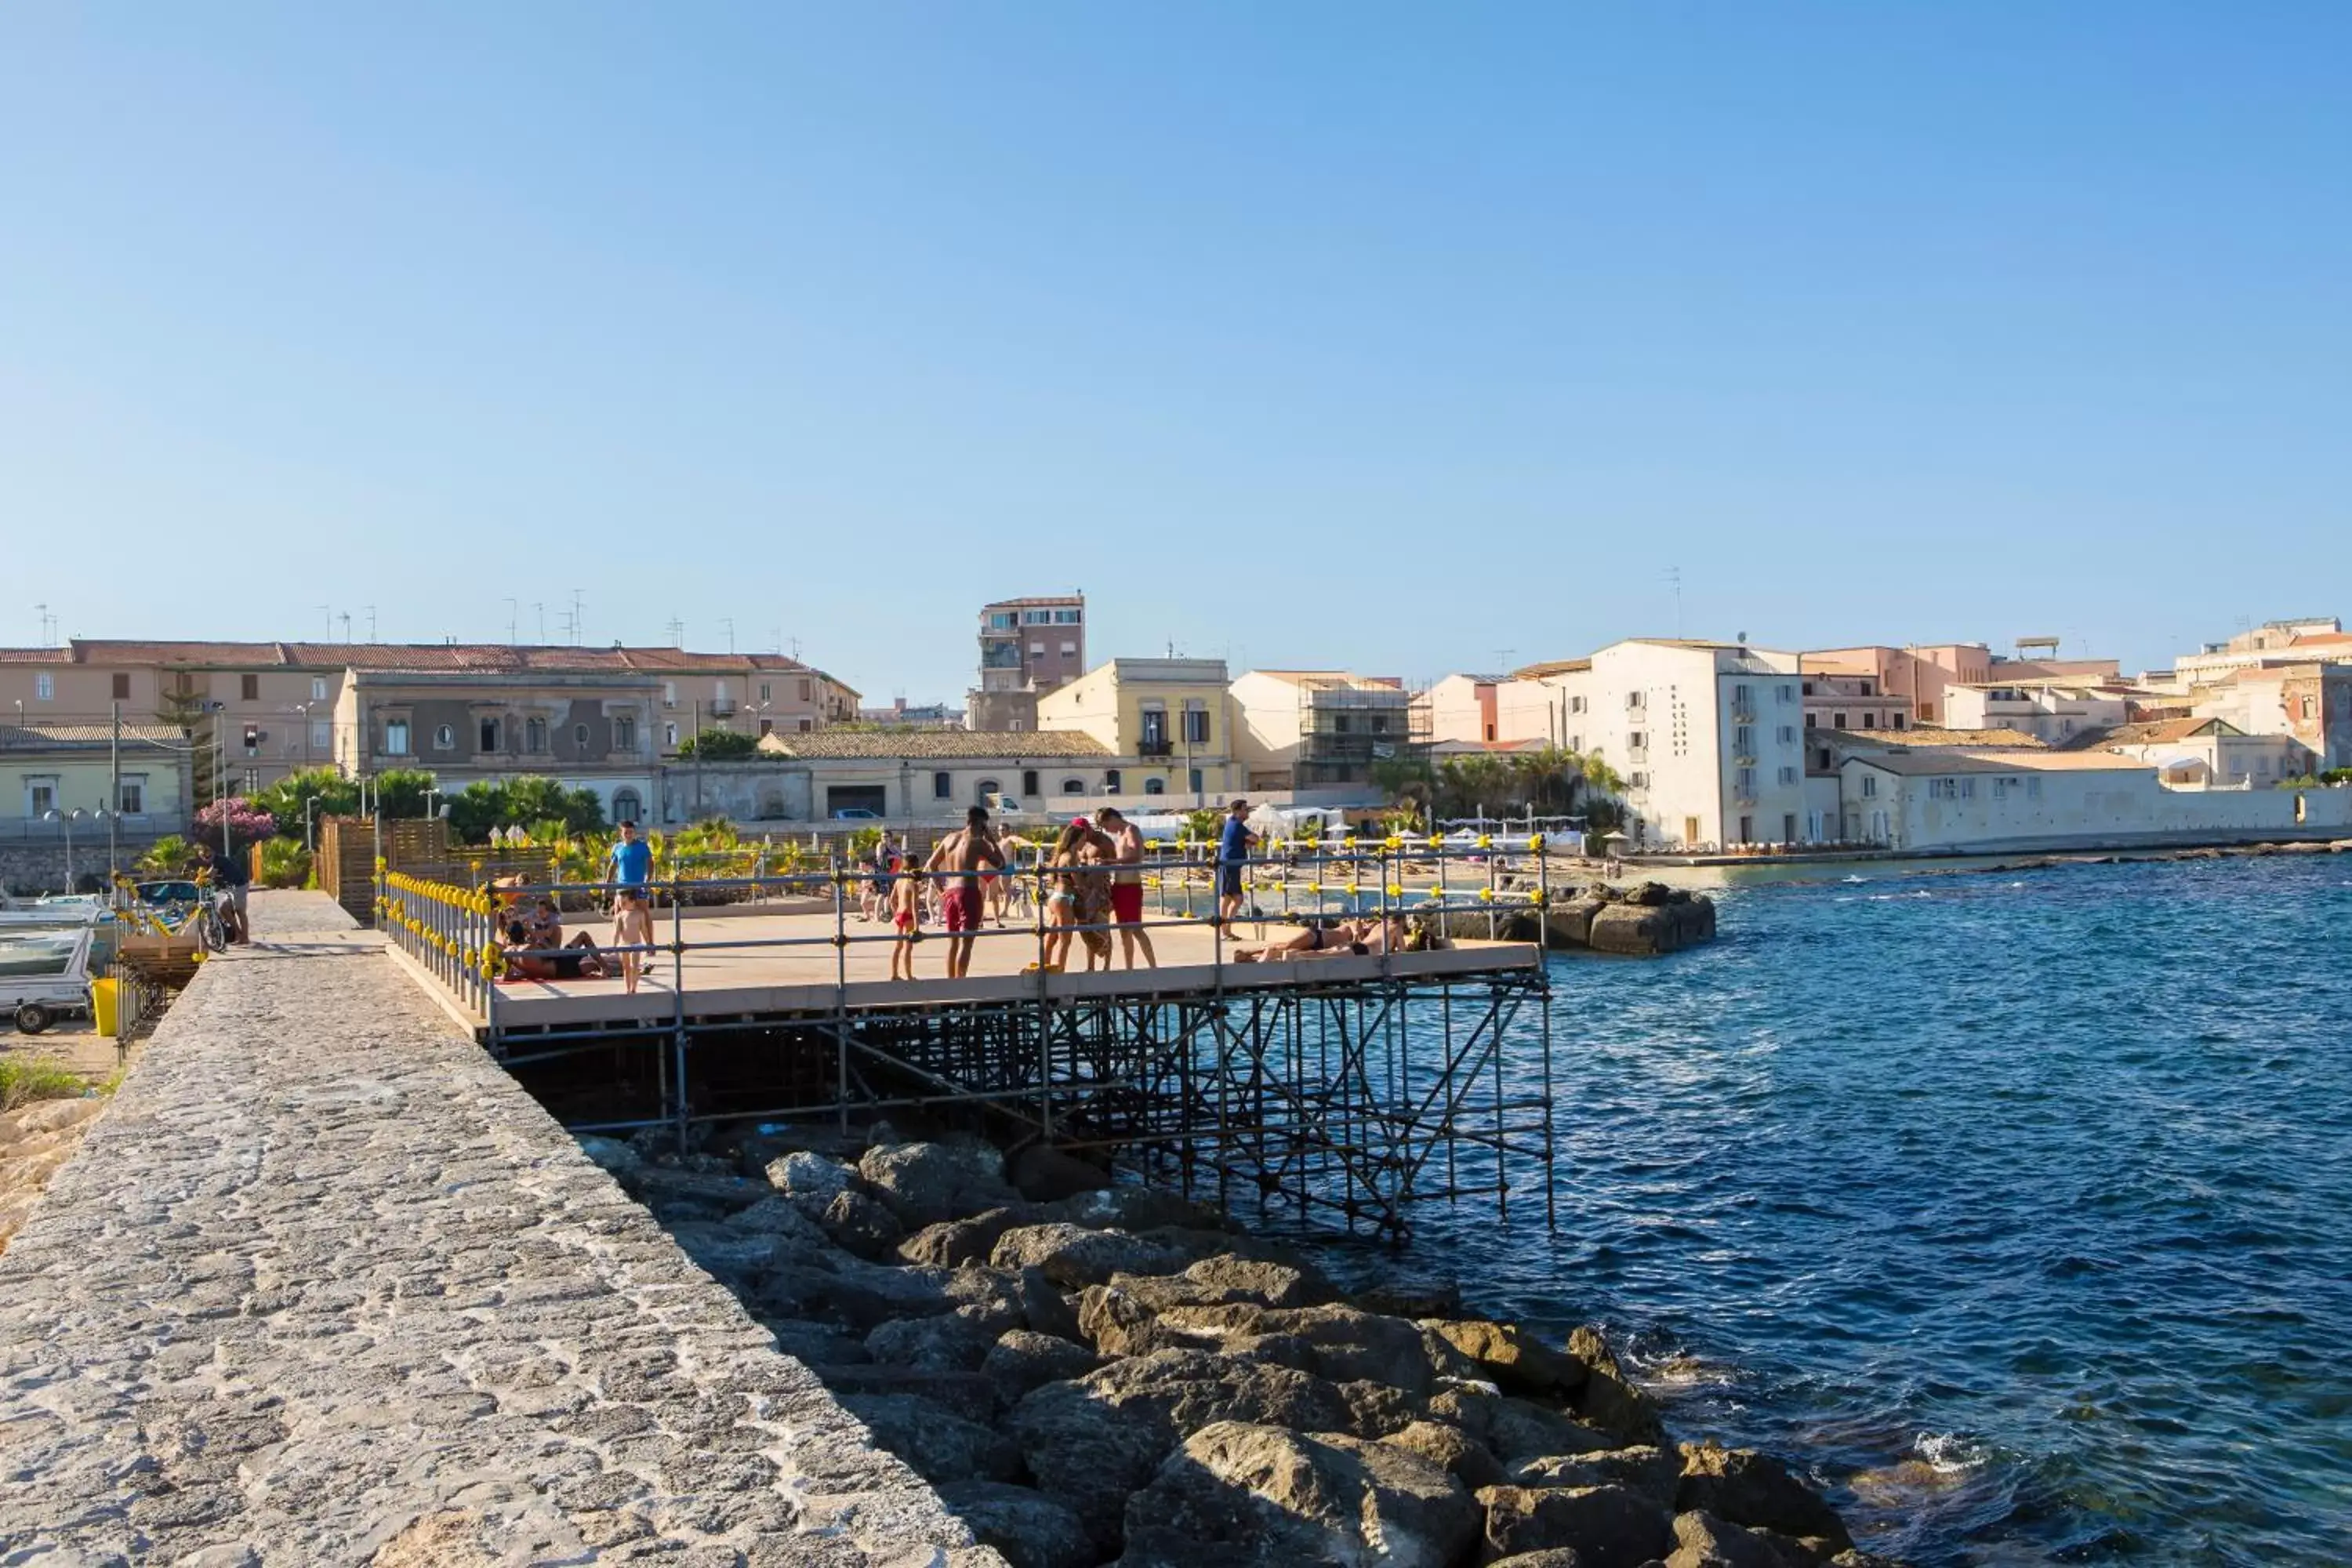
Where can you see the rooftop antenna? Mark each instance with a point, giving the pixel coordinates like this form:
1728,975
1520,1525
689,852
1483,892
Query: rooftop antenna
371,614
575,615
48,625
728,621
346,618
1675,582
513,634
796,650
677,630
1503,657
540,605
570,624
776,637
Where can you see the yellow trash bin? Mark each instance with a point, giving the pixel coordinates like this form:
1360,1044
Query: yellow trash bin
102,994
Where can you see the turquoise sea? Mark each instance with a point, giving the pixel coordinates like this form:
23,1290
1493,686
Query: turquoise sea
2018,1203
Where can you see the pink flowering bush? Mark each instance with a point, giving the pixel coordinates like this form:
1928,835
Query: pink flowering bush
247,823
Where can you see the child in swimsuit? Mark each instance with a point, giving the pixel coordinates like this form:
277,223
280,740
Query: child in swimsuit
906,914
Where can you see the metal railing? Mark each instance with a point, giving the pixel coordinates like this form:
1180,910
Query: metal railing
455,931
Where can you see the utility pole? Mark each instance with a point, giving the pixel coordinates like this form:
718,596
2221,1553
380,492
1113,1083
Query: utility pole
697,758
513,636
114,799
728,623
371,613
576,632
540,606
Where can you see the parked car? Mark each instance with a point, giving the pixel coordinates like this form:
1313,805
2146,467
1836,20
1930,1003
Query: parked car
1003,805
856,814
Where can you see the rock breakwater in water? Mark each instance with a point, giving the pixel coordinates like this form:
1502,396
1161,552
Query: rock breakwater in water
1094,1373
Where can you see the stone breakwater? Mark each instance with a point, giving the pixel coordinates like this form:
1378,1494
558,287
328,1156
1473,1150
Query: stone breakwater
1092,1374
324,1286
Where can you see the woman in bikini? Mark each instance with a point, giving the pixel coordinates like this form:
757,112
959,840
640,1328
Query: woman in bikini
1060,887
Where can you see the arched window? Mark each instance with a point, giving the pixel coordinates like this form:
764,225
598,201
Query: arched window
1073,786
986,787
580,736
1155,786
445,738
626,806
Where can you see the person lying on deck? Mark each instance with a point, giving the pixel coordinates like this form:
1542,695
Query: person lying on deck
536,950
1355,938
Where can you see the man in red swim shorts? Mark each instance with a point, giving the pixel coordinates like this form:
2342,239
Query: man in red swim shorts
959,859
1127,884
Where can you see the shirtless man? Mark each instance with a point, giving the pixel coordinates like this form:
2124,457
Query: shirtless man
1127,884
959,859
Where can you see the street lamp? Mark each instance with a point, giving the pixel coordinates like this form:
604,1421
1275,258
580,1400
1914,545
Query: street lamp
66,819
310,832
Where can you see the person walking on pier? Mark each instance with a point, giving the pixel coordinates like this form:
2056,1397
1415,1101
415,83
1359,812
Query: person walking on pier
959,859
1127,884
630,863
1233,841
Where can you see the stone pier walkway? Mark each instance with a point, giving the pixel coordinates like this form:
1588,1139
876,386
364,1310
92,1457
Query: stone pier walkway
325,1287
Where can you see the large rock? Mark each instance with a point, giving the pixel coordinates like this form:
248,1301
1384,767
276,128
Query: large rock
1045,1174
1022,1359
1073,1257
1044,1306
992,1299
1326,1498
947,1344
966,1394
1702,1540
1511,1358
609,1153
1608,1400
1516,1430
923,1184
1572,923
953,1242
1451,1450
1740,1486
1227,1279
1552,1557
940,1445
1376,1410
1608,1527
1653,1472
1335,1342
811,1180
1136,1208
1636,930
858,1223
738,1256
857,1295
777,1216
815,1345
1027,1528
1188,1390
1089,1454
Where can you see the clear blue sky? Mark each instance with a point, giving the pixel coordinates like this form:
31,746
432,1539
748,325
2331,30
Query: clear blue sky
1384,336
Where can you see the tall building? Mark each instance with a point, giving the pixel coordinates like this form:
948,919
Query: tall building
1027,647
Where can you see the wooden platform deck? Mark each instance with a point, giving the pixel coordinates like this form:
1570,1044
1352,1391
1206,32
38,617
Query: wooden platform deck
767,982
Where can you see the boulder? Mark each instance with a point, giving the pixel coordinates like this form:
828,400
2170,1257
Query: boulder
1044,1308
1638,930
1227,1277
1702,1540
1451,1450
1136,1209
859,1296
967,1395
1073,1257
1650,895
814,1344
735,1256
1511,1358
1327,1499
1516,1430
1089,1454
860,1224
609,1153
957,1241
1405,1298
1045,1174
1187,1389
1028,1528
810,1179
1023,1358
1693,921
1376,1410
1652,1471
1572,922
775,1216
1551,1557
990,1298
1608,1527
1118,1320
939,1444
947,1344
668,1184
1607,1399
923,1184
1335,1342
1740,1486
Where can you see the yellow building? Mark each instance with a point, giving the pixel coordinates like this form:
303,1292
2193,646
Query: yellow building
1173,716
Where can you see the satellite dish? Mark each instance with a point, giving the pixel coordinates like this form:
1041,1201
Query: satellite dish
1743,639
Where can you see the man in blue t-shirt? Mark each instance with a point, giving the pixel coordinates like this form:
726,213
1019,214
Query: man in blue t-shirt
631,865
1233,841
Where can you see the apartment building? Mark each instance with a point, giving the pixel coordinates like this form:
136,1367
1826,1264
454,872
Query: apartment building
2049,711
1303,731
79,785
1027,647
1916,677
264,709
2299,640
1172,716
2308,700
1462,709
2193,752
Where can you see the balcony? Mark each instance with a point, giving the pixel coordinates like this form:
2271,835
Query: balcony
1743,713
722,707
1150,746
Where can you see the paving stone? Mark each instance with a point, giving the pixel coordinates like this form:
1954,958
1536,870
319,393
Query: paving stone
325,1287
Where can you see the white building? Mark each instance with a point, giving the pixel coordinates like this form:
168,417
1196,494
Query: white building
2048,710
1707,736
1303,731
2209,754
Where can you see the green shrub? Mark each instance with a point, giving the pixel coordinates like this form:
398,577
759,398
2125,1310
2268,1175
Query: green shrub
718,746
170,855
21,1081
285,864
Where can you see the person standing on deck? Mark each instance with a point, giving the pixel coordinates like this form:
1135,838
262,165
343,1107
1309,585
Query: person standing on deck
1233,841
1127,884
959,859
629,867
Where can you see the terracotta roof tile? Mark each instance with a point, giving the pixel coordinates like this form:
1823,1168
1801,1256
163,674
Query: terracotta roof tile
58,737
1900,739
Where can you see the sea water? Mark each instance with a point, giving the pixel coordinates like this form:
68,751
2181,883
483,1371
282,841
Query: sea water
2018,1204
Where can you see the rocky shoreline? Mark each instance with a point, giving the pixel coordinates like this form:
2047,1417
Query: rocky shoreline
1093,1374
